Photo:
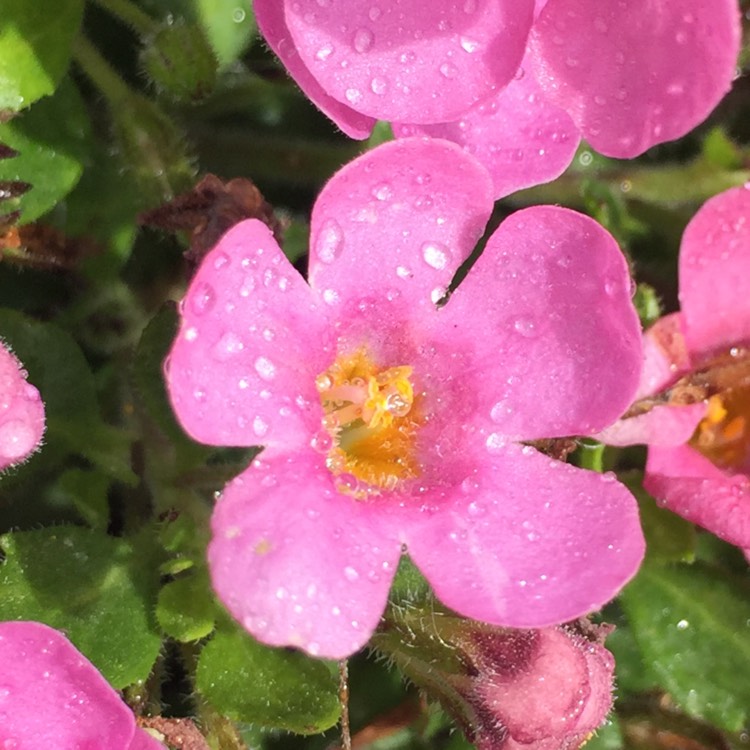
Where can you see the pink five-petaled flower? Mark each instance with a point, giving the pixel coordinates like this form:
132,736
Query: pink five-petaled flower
392,421
515,82
698,367
21,412
51,696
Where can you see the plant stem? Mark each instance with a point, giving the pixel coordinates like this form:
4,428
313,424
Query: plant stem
346,736
102,75
131,15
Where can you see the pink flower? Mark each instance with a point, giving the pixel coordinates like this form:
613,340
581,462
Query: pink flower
53,697
516,82
391,421
21,412
697,373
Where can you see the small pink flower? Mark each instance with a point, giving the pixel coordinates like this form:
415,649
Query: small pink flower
21,412
391,421
696,379
516,82
53,697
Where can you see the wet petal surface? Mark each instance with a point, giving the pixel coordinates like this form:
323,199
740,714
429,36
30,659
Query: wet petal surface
529,541
394,225
44,669
297,562
638,73
715,273
525,311
520,136
396,60
690,485
271,21
253,338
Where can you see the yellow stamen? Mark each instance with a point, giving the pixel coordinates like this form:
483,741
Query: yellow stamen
372,416
723,435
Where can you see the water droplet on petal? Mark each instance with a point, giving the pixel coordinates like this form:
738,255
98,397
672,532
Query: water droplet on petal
448,70
363,40
526,327
202,299
260,428
265,368
350,573
374,13
221,260
383,191
436,255
378,86
353,96
330,241
494,443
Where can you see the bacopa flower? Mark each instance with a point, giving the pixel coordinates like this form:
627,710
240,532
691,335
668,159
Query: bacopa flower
391,421
515,82
693,406
21,412
51,696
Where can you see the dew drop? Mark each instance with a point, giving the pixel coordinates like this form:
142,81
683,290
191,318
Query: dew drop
403,272
353,96
221,260
265,368
363,40
383,191
448,70
378,86
330,241
374,13
350,573
436,255
260,428
324,52
321,441
202,299
494,443
228,345
526,327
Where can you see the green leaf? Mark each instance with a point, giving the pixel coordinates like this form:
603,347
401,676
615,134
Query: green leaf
96,588
59,370
53,141
270,687
87,491
35,42
692,624
186,609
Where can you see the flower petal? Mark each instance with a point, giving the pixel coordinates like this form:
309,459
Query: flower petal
520,136
397,222
410,61
715,273
142,740
242,369
43,670
638,73
665,355
21,412
271,21
297,562
531,542
663,425
542,359
690,485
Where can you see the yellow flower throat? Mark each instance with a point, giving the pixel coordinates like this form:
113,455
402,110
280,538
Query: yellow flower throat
372,417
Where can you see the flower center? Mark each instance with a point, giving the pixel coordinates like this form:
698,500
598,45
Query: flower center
371,419
723,435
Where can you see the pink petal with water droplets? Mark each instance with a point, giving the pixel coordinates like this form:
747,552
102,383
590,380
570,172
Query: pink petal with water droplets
715,273
562,694
538,345
270,17
663,425
51,696
396,223
297,562
520,137
689,484
21,412
252,340
532,542
412,62
635,74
